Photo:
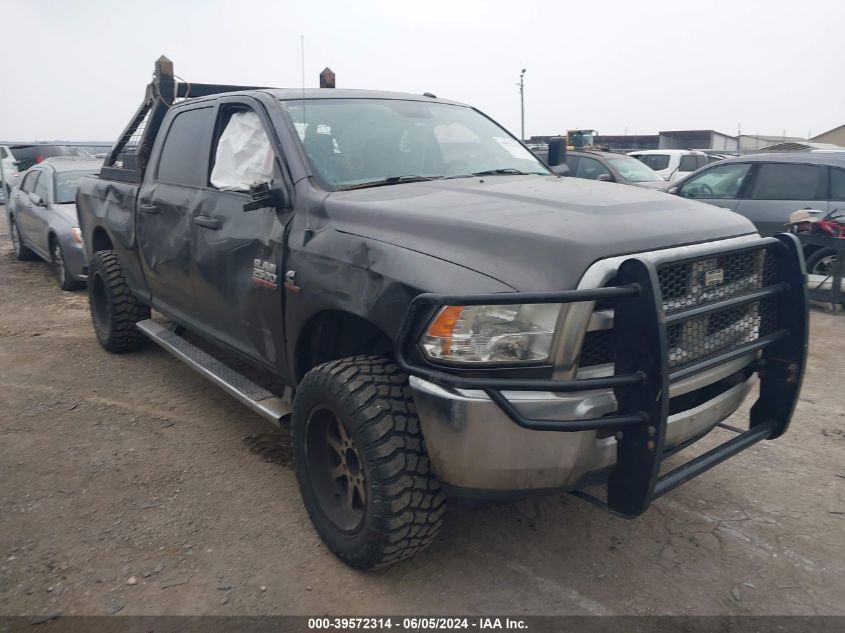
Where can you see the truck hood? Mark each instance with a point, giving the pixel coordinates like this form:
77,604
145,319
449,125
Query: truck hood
533,233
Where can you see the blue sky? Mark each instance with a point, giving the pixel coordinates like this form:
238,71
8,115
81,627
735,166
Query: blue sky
76,70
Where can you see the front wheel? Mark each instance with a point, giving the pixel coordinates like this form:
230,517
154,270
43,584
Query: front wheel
361,464
63,275
114,309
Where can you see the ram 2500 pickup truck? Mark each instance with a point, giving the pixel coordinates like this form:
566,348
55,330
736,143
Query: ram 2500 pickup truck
445,315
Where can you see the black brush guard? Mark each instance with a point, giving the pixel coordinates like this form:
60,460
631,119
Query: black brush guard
642,378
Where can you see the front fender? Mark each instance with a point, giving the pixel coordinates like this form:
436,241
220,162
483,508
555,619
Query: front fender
367,278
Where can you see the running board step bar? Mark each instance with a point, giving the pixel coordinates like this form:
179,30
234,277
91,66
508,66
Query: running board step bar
257,398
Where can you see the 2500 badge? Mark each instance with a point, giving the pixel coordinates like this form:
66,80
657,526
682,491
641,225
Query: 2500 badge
264,274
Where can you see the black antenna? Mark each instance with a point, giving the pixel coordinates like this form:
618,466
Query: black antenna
308,232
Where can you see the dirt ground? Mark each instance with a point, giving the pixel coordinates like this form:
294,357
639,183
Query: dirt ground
128,484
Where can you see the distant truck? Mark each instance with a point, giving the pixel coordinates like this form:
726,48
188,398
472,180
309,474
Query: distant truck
451,318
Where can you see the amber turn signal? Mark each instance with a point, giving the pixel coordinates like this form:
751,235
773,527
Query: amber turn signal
444,324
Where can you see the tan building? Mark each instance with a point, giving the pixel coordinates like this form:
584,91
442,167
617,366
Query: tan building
836,136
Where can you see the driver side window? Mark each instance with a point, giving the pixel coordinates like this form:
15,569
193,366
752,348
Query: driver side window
42,187
723,181
243,155
28,184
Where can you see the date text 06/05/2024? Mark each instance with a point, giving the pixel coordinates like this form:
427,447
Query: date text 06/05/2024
416,624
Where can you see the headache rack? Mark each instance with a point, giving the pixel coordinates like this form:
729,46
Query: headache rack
128,158
712,316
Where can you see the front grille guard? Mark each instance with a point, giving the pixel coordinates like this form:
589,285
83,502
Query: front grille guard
642,378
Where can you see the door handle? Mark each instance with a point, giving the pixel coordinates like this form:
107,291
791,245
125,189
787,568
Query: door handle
151,209
207,222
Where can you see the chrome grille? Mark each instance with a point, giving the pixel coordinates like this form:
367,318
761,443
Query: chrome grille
697,282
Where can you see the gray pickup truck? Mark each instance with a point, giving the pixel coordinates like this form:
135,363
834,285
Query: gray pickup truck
441,315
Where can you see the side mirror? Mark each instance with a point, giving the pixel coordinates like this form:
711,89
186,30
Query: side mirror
672,190
36,200
604,178
557,151
268,194
560,170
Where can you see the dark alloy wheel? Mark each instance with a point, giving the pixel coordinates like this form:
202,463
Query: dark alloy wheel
361,462
337,469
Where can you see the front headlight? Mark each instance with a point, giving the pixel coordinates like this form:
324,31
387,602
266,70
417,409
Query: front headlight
76,234
492,333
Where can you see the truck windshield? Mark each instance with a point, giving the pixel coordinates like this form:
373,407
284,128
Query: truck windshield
361,142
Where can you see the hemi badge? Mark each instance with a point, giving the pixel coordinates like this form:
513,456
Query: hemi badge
714,277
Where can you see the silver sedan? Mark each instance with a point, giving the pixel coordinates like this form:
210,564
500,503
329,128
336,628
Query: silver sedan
42,217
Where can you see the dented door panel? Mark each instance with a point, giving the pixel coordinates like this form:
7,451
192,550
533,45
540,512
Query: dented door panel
237,276
337,271
164,241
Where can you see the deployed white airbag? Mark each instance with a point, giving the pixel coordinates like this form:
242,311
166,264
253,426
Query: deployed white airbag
244,156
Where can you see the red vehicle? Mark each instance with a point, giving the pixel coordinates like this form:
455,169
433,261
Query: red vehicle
832,224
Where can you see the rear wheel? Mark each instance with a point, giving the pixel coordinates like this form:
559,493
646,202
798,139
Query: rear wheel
821,262
114,309
22,252
361,464
63,275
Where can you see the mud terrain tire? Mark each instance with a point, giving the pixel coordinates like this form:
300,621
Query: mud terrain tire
361,462
114,309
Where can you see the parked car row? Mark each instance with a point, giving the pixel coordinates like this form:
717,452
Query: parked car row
765,188
16,159
42,217
674,164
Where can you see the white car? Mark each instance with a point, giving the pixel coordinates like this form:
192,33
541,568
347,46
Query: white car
672,164
10,175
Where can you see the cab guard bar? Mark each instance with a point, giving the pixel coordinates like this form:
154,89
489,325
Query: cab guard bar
642,378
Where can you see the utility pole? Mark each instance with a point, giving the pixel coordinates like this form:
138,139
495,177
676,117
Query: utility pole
521,85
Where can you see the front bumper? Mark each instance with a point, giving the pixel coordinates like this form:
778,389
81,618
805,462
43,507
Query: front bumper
474,445
77,263
498,434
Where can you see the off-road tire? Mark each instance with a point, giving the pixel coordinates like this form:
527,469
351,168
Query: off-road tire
114,309
404,505
63,275
22,251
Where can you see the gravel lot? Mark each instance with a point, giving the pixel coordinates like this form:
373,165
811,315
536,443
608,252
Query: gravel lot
130,485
